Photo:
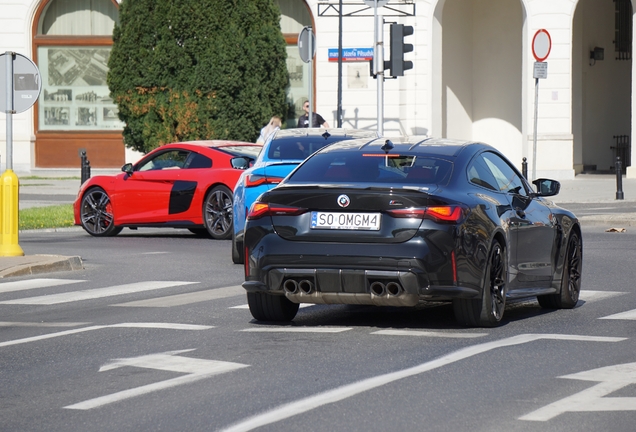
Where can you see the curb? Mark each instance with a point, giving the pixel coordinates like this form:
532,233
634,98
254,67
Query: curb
35,264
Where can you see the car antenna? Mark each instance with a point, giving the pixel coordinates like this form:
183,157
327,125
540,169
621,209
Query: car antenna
326,135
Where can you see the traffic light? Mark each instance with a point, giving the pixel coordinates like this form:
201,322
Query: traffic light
398,48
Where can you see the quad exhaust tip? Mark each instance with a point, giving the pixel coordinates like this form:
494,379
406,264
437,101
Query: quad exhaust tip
378,288
306,286
394,288
290,286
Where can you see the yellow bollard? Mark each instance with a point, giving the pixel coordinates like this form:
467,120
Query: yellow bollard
9,186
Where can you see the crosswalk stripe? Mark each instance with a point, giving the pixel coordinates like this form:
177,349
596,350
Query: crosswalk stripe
429,334
34,283
187,298
96,293
629,315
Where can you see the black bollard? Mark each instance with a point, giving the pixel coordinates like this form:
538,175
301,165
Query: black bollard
619,179
86,167
524,168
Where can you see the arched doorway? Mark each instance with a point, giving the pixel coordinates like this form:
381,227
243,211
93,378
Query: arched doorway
479,94
71,45
601,84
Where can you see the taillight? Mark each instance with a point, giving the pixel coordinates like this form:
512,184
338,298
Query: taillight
260,209
253,180
439,213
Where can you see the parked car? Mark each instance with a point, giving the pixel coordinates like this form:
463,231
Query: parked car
399,222
282,152
180,185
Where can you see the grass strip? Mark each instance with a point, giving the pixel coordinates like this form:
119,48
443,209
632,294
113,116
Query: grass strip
57,216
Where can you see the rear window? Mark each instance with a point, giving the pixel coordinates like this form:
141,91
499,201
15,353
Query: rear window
355,167
299,148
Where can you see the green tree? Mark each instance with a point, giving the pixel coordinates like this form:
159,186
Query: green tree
197,69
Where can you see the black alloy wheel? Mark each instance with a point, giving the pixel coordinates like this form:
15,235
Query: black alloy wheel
487,311
96,214
571,279
217,213
271,307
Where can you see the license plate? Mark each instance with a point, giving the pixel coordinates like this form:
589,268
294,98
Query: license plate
346,221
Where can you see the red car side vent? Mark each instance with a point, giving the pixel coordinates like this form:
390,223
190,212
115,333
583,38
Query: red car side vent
253,180
260,209
438,213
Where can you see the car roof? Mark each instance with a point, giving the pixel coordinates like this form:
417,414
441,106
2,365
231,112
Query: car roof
413,143
214,143
319,132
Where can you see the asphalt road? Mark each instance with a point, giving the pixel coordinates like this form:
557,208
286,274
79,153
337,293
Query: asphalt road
153,334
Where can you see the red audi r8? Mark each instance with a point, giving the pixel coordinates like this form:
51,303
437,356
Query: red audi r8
180,185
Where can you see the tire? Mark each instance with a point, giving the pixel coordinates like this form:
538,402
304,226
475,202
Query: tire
237,251
571,280
488,311
217,213
96,214
270,307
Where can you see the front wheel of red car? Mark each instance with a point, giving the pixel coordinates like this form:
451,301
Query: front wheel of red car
96,214
217,213
270,307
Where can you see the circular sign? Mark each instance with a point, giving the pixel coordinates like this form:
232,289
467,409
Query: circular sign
306,38
541,45
26,82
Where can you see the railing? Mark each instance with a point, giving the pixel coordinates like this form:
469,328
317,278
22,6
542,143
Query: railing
621,148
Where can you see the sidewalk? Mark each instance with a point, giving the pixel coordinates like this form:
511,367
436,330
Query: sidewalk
582,190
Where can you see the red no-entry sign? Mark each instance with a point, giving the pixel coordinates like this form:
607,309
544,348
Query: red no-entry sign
541,45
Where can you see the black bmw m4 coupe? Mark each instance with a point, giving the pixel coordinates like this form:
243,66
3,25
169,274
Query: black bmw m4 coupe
397,222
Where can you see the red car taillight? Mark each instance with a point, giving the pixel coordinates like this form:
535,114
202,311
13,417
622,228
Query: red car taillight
259,209
438,213
253,180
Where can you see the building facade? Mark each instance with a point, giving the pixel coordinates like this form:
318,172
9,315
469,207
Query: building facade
472,77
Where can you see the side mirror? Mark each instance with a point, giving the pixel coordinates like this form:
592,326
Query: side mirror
547,187
241,162
127,168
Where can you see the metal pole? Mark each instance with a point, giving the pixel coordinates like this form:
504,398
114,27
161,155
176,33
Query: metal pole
619,179
378,57
536,113
10,109
311,78
339,113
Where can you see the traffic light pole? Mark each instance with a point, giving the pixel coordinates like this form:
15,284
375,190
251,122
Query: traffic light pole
378,65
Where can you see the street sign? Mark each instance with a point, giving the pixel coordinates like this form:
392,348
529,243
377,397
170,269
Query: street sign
307,44
27,84
540,70
541,45
373,3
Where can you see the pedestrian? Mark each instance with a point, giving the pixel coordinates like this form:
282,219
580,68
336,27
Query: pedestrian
274,122
318,121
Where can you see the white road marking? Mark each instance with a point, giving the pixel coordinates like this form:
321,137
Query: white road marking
155,253
629,315
428,334
40,324
187,298
610,378
169,326
245,306
196,369
34,283
331,396
91,294
590,295
297,329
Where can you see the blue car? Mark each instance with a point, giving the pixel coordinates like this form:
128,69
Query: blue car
283,150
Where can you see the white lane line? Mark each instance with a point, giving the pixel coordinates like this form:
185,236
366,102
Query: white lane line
340,393
169,326
629,315
428,334
187,298
297,329
41,324
590,295
34,283
91,294
196,369
244,306
154,253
